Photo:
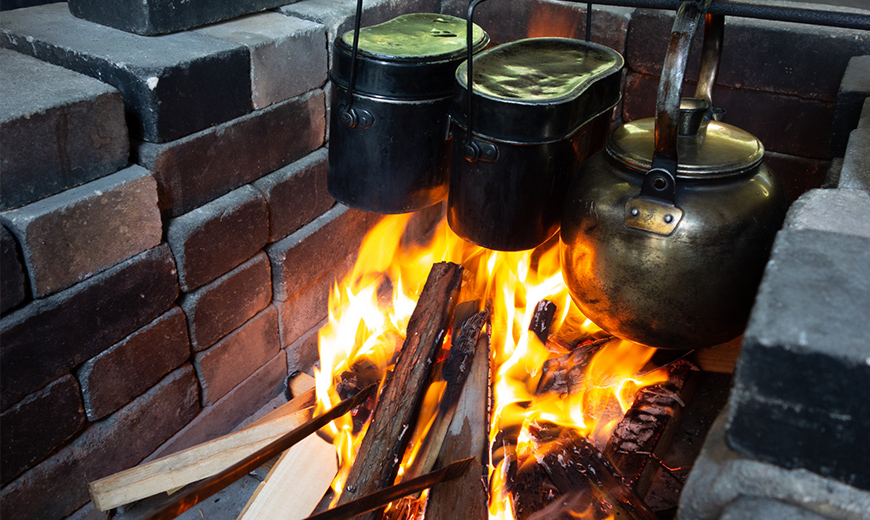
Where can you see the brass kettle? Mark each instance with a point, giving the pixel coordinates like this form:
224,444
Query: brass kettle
665,235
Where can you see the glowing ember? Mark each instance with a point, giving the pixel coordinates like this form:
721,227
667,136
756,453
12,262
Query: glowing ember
369,311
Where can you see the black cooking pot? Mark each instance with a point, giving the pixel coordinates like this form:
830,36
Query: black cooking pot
388,147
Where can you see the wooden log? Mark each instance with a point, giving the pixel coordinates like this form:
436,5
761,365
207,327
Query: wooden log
201,461
382,448
467,437
564,374
719,358
542,319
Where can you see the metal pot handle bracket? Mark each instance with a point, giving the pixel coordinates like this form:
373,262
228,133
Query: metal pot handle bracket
655,209
350,116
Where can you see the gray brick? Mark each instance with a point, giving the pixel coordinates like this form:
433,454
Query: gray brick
288,55
296,194
232,409
835,211
76,122
306,255
38,425
754,507
752,56
232,359
786,124
172,86
864,121
151,17
58,486
211,240
221,306
70,236
855,174
854,90
204,166
45,339
803,372
720,476
12,278
303,353
127,369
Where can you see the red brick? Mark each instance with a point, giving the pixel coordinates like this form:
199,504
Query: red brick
232,409
70,236
237,356
201,167
58,486
219,307
303,353
12,277
116,376
797,174
296,194
217,237
46,338
38,425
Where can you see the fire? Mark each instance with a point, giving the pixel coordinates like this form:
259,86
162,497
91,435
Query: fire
370,308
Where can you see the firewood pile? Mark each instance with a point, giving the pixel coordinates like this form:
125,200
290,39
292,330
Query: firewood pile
564,474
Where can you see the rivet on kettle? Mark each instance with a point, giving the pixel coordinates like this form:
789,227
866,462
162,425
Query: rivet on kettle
635,212
669,218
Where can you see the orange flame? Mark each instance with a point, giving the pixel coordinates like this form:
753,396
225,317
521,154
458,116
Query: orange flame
365,324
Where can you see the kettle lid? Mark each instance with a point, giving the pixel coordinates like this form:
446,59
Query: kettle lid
706,149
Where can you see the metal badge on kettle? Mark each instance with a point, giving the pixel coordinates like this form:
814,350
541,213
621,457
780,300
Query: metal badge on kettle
665,235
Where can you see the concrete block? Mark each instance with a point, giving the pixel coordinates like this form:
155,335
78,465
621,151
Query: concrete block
219,307
864,121
786,124
232,359
46,338
75,122
296,194
832,176
13,282
172,86
70,236
204,166
302,354
854,90
835,211
38,425
800,384
797,174
58,486
752,56
116,376
855,174
754,507
211,240
288,55
232,409
152,17
720,476
308,254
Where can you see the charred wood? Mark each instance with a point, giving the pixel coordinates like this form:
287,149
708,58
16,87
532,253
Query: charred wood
564,374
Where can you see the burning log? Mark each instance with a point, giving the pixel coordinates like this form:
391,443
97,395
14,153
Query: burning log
564,374
641,431
542,319
383,446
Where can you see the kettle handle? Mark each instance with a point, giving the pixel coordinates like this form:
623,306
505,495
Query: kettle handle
660,181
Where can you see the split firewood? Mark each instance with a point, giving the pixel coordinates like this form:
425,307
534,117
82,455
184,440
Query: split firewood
640,433
383,446
467,437
542,319
564,374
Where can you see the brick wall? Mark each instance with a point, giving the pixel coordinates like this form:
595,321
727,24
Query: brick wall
167,240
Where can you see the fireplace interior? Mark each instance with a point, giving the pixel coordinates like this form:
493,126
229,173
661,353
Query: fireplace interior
169,246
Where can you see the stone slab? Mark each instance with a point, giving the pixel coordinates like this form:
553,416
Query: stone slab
70,236
58,486
202,167
305,256
46,338
233,408
172,85
153,17
835,211
720,476
13,281
855,174
213,239
38,425
751,57
232,359
288,54
854,91
128,368
223,305
76,124
296,194
786,124
804,370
